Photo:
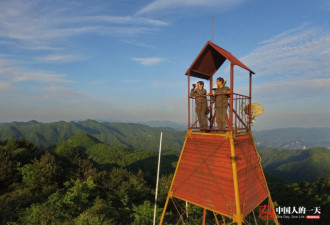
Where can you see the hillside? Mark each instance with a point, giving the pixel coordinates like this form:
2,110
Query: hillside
113,143
297,165
166,123
290,165
81,182
146,137
110,156
293,138
130,135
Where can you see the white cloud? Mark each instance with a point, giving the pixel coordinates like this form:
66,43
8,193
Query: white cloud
159,5
11,74
302,52
118,20
148,61
62,94
293,91
59,58
40,25
292,77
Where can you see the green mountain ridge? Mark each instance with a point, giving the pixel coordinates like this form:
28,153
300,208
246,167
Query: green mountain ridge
108,143
131,135
146,135
293,138
109,156
297,165
289,165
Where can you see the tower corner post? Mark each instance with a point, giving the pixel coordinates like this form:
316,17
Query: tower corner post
250,101
238,217
231,97
188,102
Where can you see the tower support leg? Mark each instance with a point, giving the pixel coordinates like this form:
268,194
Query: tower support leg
164,210
238,217
216,218
204,216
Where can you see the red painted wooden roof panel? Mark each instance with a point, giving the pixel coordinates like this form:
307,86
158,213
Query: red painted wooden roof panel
209,61
252,185
205,176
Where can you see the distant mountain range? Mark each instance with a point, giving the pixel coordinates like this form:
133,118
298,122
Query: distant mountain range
132,135
296,165
126,139
146,136
293,138
166,123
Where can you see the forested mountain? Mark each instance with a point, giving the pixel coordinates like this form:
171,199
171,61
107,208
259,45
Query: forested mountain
112,156
301,194
293,138
296,165
166,123
146,137
84,181
131,135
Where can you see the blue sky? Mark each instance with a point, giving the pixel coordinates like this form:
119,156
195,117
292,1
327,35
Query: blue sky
125,60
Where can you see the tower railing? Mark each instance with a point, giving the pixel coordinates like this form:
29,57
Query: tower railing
240,114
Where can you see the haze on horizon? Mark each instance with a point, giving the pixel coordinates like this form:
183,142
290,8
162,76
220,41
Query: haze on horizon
125,61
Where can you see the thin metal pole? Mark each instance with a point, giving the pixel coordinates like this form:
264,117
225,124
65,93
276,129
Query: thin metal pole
211,113
250,100
212,28
231,97
188,101
158,168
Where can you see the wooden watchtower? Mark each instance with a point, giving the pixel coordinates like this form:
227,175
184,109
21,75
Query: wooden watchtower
220,170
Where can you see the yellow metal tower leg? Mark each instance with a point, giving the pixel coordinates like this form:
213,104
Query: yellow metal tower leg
238,217
204,216
164,210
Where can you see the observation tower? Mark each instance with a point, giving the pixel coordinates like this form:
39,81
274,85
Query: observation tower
219,170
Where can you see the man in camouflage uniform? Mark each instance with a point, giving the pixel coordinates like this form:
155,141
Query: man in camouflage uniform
201,104
221,103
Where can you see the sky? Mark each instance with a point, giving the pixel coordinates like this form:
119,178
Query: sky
125,60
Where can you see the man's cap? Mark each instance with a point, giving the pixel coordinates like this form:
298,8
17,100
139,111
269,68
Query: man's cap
224,81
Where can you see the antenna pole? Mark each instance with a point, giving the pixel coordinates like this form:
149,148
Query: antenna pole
156,194
212,28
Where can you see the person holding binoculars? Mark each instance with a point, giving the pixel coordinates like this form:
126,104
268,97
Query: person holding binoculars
201,103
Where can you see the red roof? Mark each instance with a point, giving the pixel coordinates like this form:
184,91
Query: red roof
209,61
